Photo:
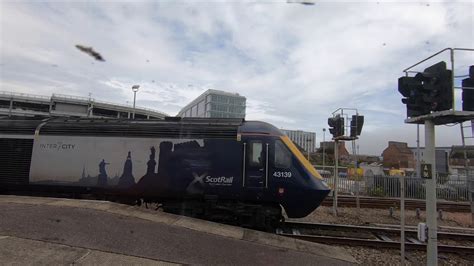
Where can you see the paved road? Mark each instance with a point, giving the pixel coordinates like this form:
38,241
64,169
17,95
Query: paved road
28,233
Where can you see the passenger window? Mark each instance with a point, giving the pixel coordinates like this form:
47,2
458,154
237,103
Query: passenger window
282,155
256,154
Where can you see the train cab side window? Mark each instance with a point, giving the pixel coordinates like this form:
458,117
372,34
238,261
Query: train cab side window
256,154
282,155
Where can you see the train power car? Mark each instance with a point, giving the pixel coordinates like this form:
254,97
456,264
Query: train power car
232,170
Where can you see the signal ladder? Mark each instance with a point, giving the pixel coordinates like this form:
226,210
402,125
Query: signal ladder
467,165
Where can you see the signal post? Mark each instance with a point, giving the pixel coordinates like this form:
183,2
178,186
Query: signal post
337,129
429,98
432,221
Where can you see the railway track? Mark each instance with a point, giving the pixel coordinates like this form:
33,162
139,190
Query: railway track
383,203
379,237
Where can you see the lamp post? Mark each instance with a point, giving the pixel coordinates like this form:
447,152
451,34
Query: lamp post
308,141
89,106
324,148
134,89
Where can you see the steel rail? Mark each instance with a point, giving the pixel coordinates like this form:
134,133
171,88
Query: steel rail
373,229
378,243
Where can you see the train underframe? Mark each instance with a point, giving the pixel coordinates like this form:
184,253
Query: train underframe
260,216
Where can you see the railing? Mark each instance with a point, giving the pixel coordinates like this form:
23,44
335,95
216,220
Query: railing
147,111
389,186
72,97
92,100
130,107
23,95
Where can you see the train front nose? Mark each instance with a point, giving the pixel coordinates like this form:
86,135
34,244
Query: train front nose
304,201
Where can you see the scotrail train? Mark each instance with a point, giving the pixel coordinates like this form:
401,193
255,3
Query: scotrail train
235,171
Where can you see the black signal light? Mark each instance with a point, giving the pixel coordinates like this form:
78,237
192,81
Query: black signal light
357,122
468,91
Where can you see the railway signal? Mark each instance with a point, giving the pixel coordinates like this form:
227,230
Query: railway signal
468,91
411,89
336,126
337,129
357,122
436,96
437,87
430,90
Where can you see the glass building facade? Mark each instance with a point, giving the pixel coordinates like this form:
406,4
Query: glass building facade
215,104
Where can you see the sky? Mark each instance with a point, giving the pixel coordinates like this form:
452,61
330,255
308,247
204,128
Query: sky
296,64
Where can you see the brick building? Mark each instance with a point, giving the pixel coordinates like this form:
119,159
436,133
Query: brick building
329,148
343,154
398,155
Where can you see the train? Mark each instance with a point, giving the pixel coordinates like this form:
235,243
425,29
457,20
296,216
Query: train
230,170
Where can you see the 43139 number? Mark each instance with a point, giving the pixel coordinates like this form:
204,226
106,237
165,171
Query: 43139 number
282,174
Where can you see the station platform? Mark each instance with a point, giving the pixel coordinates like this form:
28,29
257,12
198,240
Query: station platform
36,230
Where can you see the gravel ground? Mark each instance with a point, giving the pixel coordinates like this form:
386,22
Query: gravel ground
368,216
371,256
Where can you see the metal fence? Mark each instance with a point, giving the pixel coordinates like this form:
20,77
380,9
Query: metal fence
389,186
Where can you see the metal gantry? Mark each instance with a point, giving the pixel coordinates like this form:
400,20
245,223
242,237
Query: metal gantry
337,122
430,120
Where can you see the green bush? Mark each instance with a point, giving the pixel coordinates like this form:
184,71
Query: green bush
377,192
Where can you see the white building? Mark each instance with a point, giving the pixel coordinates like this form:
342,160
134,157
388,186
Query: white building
59,105
304,139
441,157
215,104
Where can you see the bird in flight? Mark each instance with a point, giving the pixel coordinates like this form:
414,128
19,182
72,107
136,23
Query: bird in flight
90,51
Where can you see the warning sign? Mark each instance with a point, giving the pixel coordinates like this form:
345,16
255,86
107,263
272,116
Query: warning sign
426,171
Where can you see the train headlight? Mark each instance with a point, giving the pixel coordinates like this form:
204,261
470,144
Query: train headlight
325,184
281,191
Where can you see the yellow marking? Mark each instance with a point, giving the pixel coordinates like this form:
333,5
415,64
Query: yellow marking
300,157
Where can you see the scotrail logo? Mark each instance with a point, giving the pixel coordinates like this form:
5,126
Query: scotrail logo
221,180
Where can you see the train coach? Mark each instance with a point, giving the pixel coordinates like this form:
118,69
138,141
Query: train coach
236,171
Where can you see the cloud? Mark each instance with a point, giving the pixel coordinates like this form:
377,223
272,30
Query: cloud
295,64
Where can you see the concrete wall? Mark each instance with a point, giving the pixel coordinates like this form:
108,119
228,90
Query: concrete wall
70,108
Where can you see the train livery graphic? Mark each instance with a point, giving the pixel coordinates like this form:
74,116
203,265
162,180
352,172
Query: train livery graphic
242,170
175,166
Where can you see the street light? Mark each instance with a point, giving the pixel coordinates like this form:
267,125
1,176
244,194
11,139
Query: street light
134,89
308,145
324,148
